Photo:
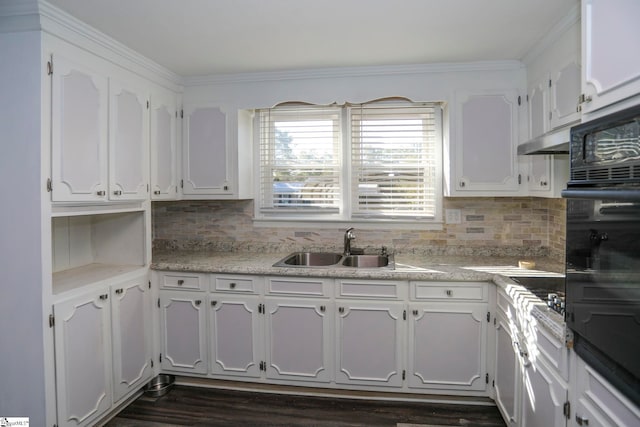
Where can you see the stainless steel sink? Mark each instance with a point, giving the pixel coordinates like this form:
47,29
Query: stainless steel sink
368,261
335,260
309,259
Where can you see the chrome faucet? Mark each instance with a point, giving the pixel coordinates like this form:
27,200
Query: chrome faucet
348,237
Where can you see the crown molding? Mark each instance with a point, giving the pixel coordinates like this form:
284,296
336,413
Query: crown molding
60,24
329,73
553,35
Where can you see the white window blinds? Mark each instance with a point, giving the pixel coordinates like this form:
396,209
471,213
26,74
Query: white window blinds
394,156
300,159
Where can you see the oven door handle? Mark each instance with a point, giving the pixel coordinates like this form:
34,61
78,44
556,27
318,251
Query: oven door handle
624,195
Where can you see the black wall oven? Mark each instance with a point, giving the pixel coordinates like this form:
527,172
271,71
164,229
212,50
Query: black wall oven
603,247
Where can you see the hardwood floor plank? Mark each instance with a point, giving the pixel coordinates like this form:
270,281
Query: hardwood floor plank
195,406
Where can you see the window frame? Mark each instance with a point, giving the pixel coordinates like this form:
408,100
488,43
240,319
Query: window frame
344,216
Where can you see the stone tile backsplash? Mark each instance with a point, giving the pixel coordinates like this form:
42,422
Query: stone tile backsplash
490,226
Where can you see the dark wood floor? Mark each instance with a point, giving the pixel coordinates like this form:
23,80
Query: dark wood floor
196,406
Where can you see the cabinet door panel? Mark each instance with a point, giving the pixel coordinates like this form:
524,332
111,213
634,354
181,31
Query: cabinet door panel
506,369
543,398
452,357
298,334
205,151
128,143
79,133
485,143
131,330
610,35
83,365
565,90
234,330
164,178
184,335
369,342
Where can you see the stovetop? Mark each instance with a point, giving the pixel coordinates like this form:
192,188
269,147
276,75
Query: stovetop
548,289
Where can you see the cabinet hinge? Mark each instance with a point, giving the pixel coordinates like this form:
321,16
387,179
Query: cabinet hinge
550,115
52,320
404,375
486,378
182,183
493,383
404,315
519,179
549,82
149,284
151,363
182,114
160,358
158,302
494,320
49,185
488,316
519,100
566,409
50,67
147,105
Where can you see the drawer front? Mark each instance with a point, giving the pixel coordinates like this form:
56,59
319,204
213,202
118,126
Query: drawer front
454,291
182,281
298,286
234,284
370,289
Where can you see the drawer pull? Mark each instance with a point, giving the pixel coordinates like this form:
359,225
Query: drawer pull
415,312
180,282
322,308
232,285
582,421
118,291
101,193
449,292
213,303
198,302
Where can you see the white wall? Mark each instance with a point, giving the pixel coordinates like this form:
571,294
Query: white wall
22,327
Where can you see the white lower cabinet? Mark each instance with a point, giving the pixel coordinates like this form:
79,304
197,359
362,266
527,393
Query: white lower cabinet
298,334
506,381
596,403
235,335
448,346
102,349
183,326
370,343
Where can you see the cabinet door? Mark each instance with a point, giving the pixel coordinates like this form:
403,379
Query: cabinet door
543,397
485,144
164,155
610,34
183,325
538,109
205,151
369,343
235,334
131,333
83,362
453,357
507,370
128,143
539,178
79,133
564,93
298,339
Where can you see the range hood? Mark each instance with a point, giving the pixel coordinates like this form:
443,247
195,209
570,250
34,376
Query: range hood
553,142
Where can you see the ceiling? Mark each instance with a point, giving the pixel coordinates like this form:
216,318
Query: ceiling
206,37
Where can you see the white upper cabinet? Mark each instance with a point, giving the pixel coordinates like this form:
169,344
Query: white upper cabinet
564,87
164,146
610,34
486,134
100,134
79,133
128,142
217,155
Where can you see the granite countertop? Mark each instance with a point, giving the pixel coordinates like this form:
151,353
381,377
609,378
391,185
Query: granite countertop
408,267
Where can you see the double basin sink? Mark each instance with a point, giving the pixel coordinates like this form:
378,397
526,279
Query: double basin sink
332,259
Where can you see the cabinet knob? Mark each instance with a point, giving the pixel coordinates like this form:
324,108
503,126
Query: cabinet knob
117,192
101,193
180,282
232,285
341,309
213,303
415,312
119,291
322,308
198,302
156,192
462,184
582,421
449,292
543,183
104,296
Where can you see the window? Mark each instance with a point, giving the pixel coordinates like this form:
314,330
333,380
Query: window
371,162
